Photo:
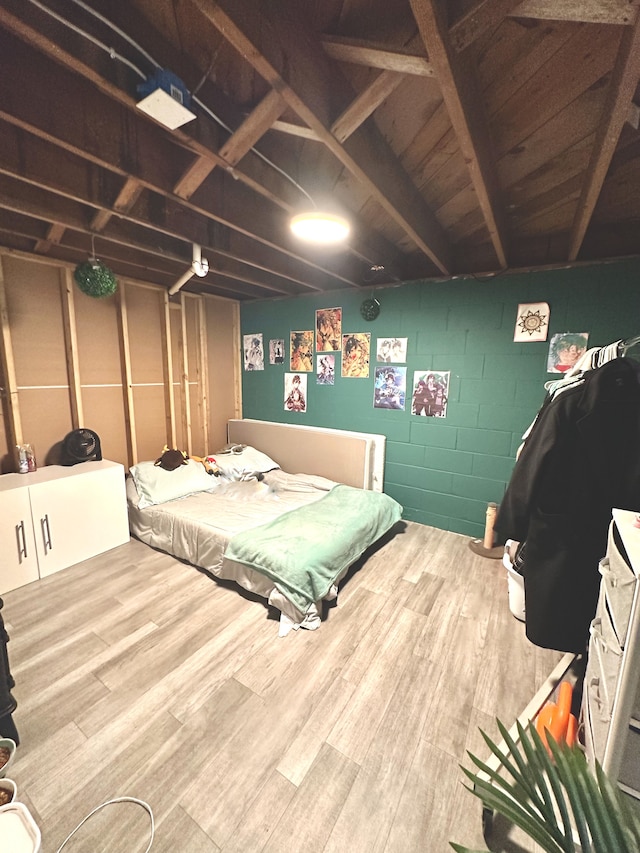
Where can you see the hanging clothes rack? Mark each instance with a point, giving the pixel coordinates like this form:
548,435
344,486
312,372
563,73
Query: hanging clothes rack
625,346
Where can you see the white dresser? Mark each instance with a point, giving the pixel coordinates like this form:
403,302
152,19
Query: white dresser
58,516
611,698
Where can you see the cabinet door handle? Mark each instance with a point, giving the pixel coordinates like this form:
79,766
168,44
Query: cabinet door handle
46,533
22,541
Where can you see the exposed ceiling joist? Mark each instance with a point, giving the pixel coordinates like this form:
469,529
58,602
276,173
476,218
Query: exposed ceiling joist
371,55
517,118
284,62
465,110
622,89
619,12
239,143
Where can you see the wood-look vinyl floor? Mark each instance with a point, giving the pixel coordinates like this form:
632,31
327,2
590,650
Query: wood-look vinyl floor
137,675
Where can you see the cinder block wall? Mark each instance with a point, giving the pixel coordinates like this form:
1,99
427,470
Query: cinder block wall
445,471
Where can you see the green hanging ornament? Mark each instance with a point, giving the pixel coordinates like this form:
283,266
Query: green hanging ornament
95,279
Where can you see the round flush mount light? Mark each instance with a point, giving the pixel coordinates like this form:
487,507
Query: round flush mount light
321,228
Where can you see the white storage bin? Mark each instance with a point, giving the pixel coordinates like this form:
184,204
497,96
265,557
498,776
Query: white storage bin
515,584
19,832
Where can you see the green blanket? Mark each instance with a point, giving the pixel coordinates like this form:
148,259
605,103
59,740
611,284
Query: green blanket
305,550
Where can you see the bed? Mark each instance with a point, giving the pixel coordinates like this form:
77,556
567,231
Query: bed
287,537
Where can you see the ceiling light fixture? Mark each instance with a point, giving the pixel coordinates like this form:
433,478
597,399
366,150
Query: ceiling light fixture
320,227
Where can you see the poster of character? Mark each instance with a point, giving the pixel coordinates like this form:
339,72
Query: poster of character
390,386
565,349
325,369
391,350
295,392
430,393
356,348
328,329
276,351
253,352
302,351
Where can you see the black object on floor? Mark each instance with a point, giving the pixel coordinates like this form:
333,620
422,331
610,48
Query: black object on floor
7,702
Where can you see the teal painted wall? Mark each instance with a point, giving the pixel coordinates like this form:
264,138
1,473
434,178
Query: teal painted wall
444,471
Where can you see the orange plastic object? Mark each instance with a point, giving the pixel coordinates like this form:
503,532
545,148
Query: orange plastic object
557,719
572,731
543,721
563,710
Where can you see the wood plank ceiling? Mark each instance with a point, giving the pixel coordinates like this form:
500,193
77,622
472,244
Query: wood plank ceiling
461,137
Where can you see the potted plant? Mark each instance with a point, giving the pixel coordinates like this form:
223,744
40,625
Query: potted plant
554,796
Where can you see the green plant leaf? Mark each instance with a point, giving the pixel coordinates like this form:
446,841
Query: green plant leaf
553,798
517,791
569,781
544,769
517,814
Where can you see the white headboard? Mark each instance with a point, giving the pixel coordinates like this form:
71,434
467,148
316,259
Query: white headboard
353,458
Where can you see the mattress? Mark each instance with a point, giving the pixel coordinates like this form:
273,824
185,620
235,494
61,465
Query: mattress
197,528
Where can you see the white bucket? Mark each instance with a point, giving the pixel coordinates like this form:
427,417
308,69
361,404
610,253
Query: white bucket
515,586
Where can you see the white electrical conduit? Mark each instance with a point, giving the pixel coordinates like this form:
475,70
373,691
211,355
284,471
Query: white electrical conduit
199,266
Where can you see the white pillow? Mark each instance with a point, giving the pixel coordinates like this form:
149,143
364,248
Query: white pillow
236,465
155,485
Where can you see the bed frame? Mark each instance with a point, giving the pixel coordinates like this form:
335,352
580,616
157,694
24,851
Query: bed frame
353,458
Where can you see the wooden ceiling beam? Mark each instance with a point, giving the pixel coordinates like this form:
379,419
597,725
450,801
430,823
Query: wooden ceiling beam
147,154
54,235
365,104
127,197
622,88
372,55
620,12
191,138
464,105
295,130
53,201
160,149
117,246
293,62
239,143
137,264
485,15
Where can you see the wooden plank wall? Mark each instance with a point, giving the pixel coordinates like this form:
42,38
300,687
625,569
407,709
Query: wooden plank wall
138,368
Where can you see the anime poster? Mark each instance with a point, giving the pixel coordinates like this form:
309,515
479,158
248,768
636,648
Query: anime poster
253,352
325,369
276,351
355,355
295,392
391,350
430,393
565,349
532,323
390,387
328,329
302,351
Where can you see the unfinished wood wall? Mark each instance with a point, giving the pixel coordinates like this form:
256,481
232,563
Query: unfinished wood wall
138,368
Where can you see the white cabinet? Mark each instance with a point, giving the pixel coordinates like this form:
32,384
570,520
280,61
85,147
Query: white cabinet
18,558
611,697
58,516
